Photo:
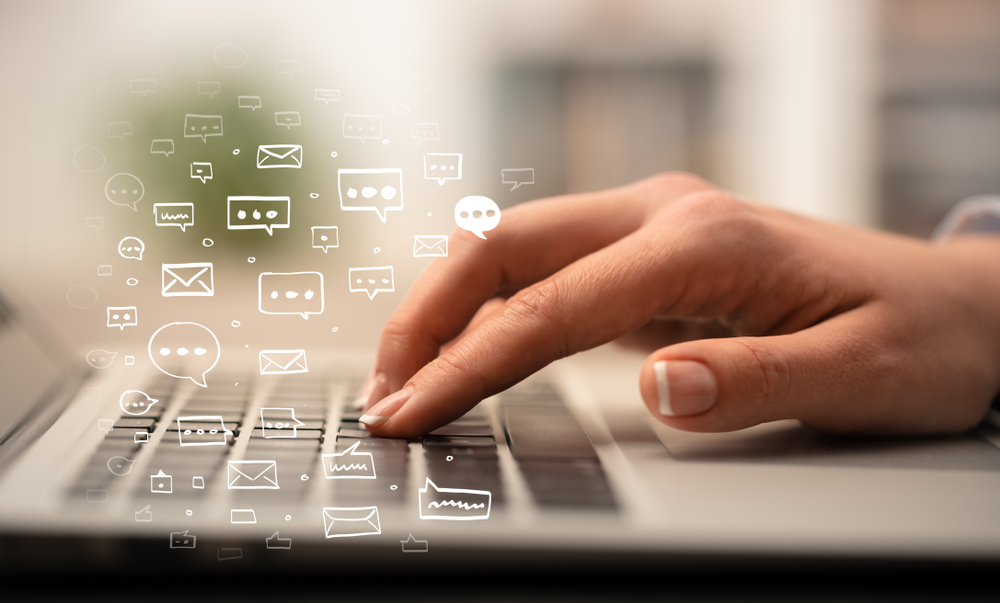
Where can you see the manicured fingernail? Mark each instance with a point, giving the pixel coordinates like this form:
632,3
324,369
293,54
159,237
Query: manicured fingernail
684,387
378,414
375,388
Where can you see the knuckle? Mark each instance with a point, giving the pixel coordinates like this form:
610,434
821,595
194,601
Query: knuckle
768,373
536,306
673,180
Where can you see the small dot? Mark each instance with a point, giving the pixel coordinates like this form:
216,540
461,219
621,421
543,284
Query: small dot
393,487
236,323
207,242
236,151
449,458
251,259
377,250
334,329
189,512
385,142
132,282
428,214
288,517
314,195
164,351
333,154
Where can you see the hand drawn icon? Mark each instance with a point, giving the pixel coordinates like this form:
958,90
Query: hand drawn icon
374,280
162,146
230,553
144,515
198,482
430,246
278,156
119,129
259,213
477,215
283,362
81,296
122,316
180,215
230,56
346,522
209,89
97,496
135,402
106,425
287,118
95,222
412,545
325,238
424,131
100,359
89,159
119,465
125,190
161,483
442,167
242,516
253,475
517,177
400,109
290,293
279,423
362,127
104,269
327,95
453,504
195,279
182,540
349,464
201,170
249,102
289,67
205,430
140,437
142,87
129,360
379,190
192,337
90,393
131,248
277,542
202,126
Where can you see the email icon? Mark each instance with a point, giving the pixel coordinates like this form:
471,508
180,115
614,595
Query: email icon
273,156
283,362
188,280
344,522
430,246
253,475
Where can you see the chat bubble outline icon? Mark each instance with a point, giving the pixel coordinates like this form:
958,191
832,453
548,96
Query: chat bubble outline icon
128,247
517,176
249,102
201,170
209,89
204,350
162,146
119,129
100,359
202,126
120,466
132,404
180,215
371,280
105,425
95,222
442,167
287,119
125,190
244,206
327,95
477,215
426,130
142,86
362,127
325,237
290,67
230,56
89,159
123,316
370,184
269,297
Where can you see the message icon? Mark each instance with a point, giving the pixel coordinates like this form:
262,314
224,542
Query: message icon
430,246
283,362
277,542
105,425
327,95
95,222
477,215
412,545
209,430
230,55
259,213
181,339
135,403
425,131
362,127
100,359
131,248
124,189
162,146
287,118
161,483
379,190
279,423
202,126
201,170
298,293
443,166
345,522
325,238
180,215
349,464
119,129
372,281
195,279
517,177
142,87
209,89
290,67
119,465
453,504
249,102
277,156
122,316
89,159
182,540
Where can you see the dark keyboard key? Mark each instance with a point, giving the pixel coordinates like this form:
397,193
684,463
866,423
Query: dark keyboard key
292,445
228,416
306,424
578,483
196,425
215,404
462,429
546,435
442,441
351,415
300,434
140,422
120,433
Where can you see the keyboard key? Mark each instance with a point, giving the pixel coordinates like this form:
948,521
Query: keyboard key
464,429
140,422
538,434
300,434
442,441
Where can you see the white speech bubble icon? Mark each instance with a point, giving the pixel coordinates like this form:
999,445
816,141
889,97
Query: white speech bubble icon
122,316
258,213
142,87
299,293
95,222
424,131
325,238
373,280
81,296
517,177
230,56
89,159
119,129
289,67
131,248
477,215
194,347
105,425
287,118
209,89
125,190
202,126
180,215
362,127
201,170
327,95
135,402
100,359
162,146
442,166
379,190
120,465
249,102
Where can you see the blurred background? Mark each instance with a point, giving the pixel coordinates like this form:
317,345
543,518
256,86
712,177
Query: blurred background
880,113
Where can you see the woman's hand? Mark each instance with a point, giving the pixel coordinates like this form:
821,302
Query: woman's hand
845,329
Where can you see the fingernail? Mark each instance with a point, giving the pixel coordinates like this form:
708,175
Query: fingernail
375,388
684,387
386,408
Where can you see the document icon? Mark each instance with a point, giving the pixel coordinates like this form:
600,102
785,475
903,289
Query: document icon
188,280
242,516
277,542
272,156
453,504
344,522
430,246
253,475
349,464
283,362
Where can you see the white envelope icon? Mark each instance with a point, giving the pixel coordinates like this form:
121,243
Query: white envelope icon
283,362
188,280
253,475
344,522
430,246
271,156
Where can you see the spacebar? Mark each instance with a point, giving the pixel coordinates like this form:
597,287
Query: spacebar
540,434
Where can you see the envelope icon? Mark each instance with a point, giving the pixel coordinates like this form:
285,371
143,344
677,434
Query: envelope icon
283,362
430,246
272,156
253,475
343,522
188,280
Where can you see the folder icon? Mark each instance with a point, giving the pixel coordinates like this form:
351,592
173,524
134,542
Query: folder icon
253,475
344,522
273,156
430,246
283,362
188,280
